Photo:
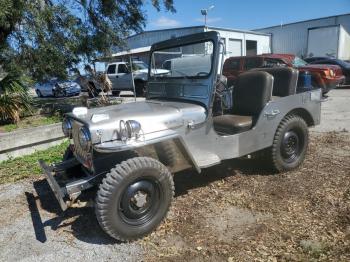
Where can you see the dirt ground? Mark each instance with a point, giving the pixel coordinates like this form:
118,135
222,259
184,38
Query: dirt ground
231,212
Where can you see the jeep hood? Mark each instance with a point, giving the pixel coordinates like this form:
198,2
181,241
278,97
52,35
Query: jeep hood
153,115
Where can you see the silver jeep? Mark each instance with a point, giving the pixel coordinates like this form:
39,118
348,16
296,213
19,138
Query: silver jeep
129,151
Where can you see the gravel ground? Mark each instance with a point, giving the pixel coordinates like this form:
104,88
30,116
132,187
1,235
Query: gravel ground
231,212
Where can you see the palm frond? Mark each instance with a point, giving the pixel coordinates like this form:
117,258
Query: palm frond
14,98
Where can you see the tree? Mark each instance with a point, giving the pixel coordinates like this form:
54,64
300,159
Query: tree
43,38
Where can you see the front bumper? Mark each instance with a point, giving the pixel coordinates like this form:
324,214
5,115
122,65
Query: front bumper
58,191
66,190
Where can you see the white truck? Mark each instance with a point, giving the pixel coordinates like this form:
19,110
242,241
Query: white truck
120,75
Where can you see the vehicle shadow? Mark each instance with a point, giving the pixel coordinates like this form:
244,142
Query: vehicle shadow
82,223
189,179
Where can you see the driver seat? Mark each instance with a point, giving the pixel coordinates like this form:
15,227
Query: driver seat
252,92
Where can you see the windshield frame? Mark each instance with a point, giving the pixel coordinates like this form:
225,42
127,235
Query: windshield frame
155,77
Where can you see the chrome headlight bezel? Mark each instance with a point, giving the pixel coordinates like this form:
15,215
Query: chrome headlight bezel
67,127
133,128
84,137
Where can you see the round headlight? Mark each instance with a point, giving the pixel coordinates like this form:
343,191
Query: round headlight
67,127
133,127
84,139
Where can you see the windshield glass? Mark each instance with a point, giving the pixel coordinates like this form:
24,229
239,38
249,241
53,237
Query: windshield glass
194,60
139,66
297,62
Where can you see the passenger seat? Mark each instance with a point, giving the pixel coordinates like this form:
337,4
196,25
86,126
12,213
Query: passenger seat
285,80
252,92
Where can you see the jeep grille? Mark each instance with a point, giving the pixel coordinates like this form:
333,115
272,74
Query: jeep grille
81,155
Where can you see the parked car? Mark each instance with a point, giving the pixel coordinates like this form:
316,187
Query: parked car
345,67
326,77
120,75
314,58
128,152
57,88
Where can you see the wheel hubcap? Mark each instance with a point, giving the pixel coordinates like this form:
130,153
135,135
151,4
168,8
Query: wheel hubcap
140,201
290,147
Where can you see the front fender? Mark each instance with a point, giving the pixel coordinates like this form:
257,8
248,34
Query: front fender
147,140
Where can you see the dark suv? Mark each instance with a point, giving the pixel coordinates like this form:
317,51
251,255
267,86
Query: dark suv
326,77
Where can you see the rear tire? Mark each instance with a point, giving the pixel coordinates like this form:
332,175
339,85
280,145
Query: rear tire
289,145
116,93
134,198
140,88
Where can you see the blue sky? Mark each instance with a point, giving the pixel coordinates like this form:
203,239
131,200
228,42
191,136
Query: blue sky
246,14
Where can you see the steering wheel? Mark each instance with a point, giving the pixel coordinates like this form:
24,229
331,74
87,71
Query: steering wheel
202,74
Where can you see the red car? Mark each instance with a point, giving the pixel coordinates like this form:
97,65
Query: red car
326,77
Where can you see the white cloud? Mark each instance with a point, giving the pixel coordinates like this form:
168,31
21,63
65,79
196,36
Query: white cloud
210,20
165,22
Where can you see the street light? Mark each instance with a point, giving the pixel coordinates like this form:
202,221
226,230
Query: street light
205,13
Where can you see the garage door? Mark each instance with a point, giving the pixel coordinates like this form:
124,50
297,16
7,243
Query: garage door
234,47
323,41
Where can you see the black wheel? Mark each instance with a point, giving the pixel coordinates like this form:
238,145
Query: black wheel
38,93
140,88
134,198
166,153
115,93
289,145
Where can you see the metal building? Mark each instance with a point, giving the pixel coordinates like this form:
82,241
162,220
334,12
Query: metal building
237,42
327,36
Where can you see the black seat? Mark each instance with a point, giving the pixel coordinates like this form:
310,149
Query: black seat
251,93
285,80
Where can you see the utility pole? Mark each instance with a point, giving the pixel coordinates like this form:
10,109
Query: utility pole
204,12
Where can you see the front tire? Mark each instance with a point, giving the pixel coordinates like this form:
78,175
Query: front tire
289,145
140,88
134,198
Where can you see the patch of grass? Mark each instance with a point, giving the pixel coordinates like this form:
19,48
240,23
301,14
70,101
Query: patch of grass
28,166
32,121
